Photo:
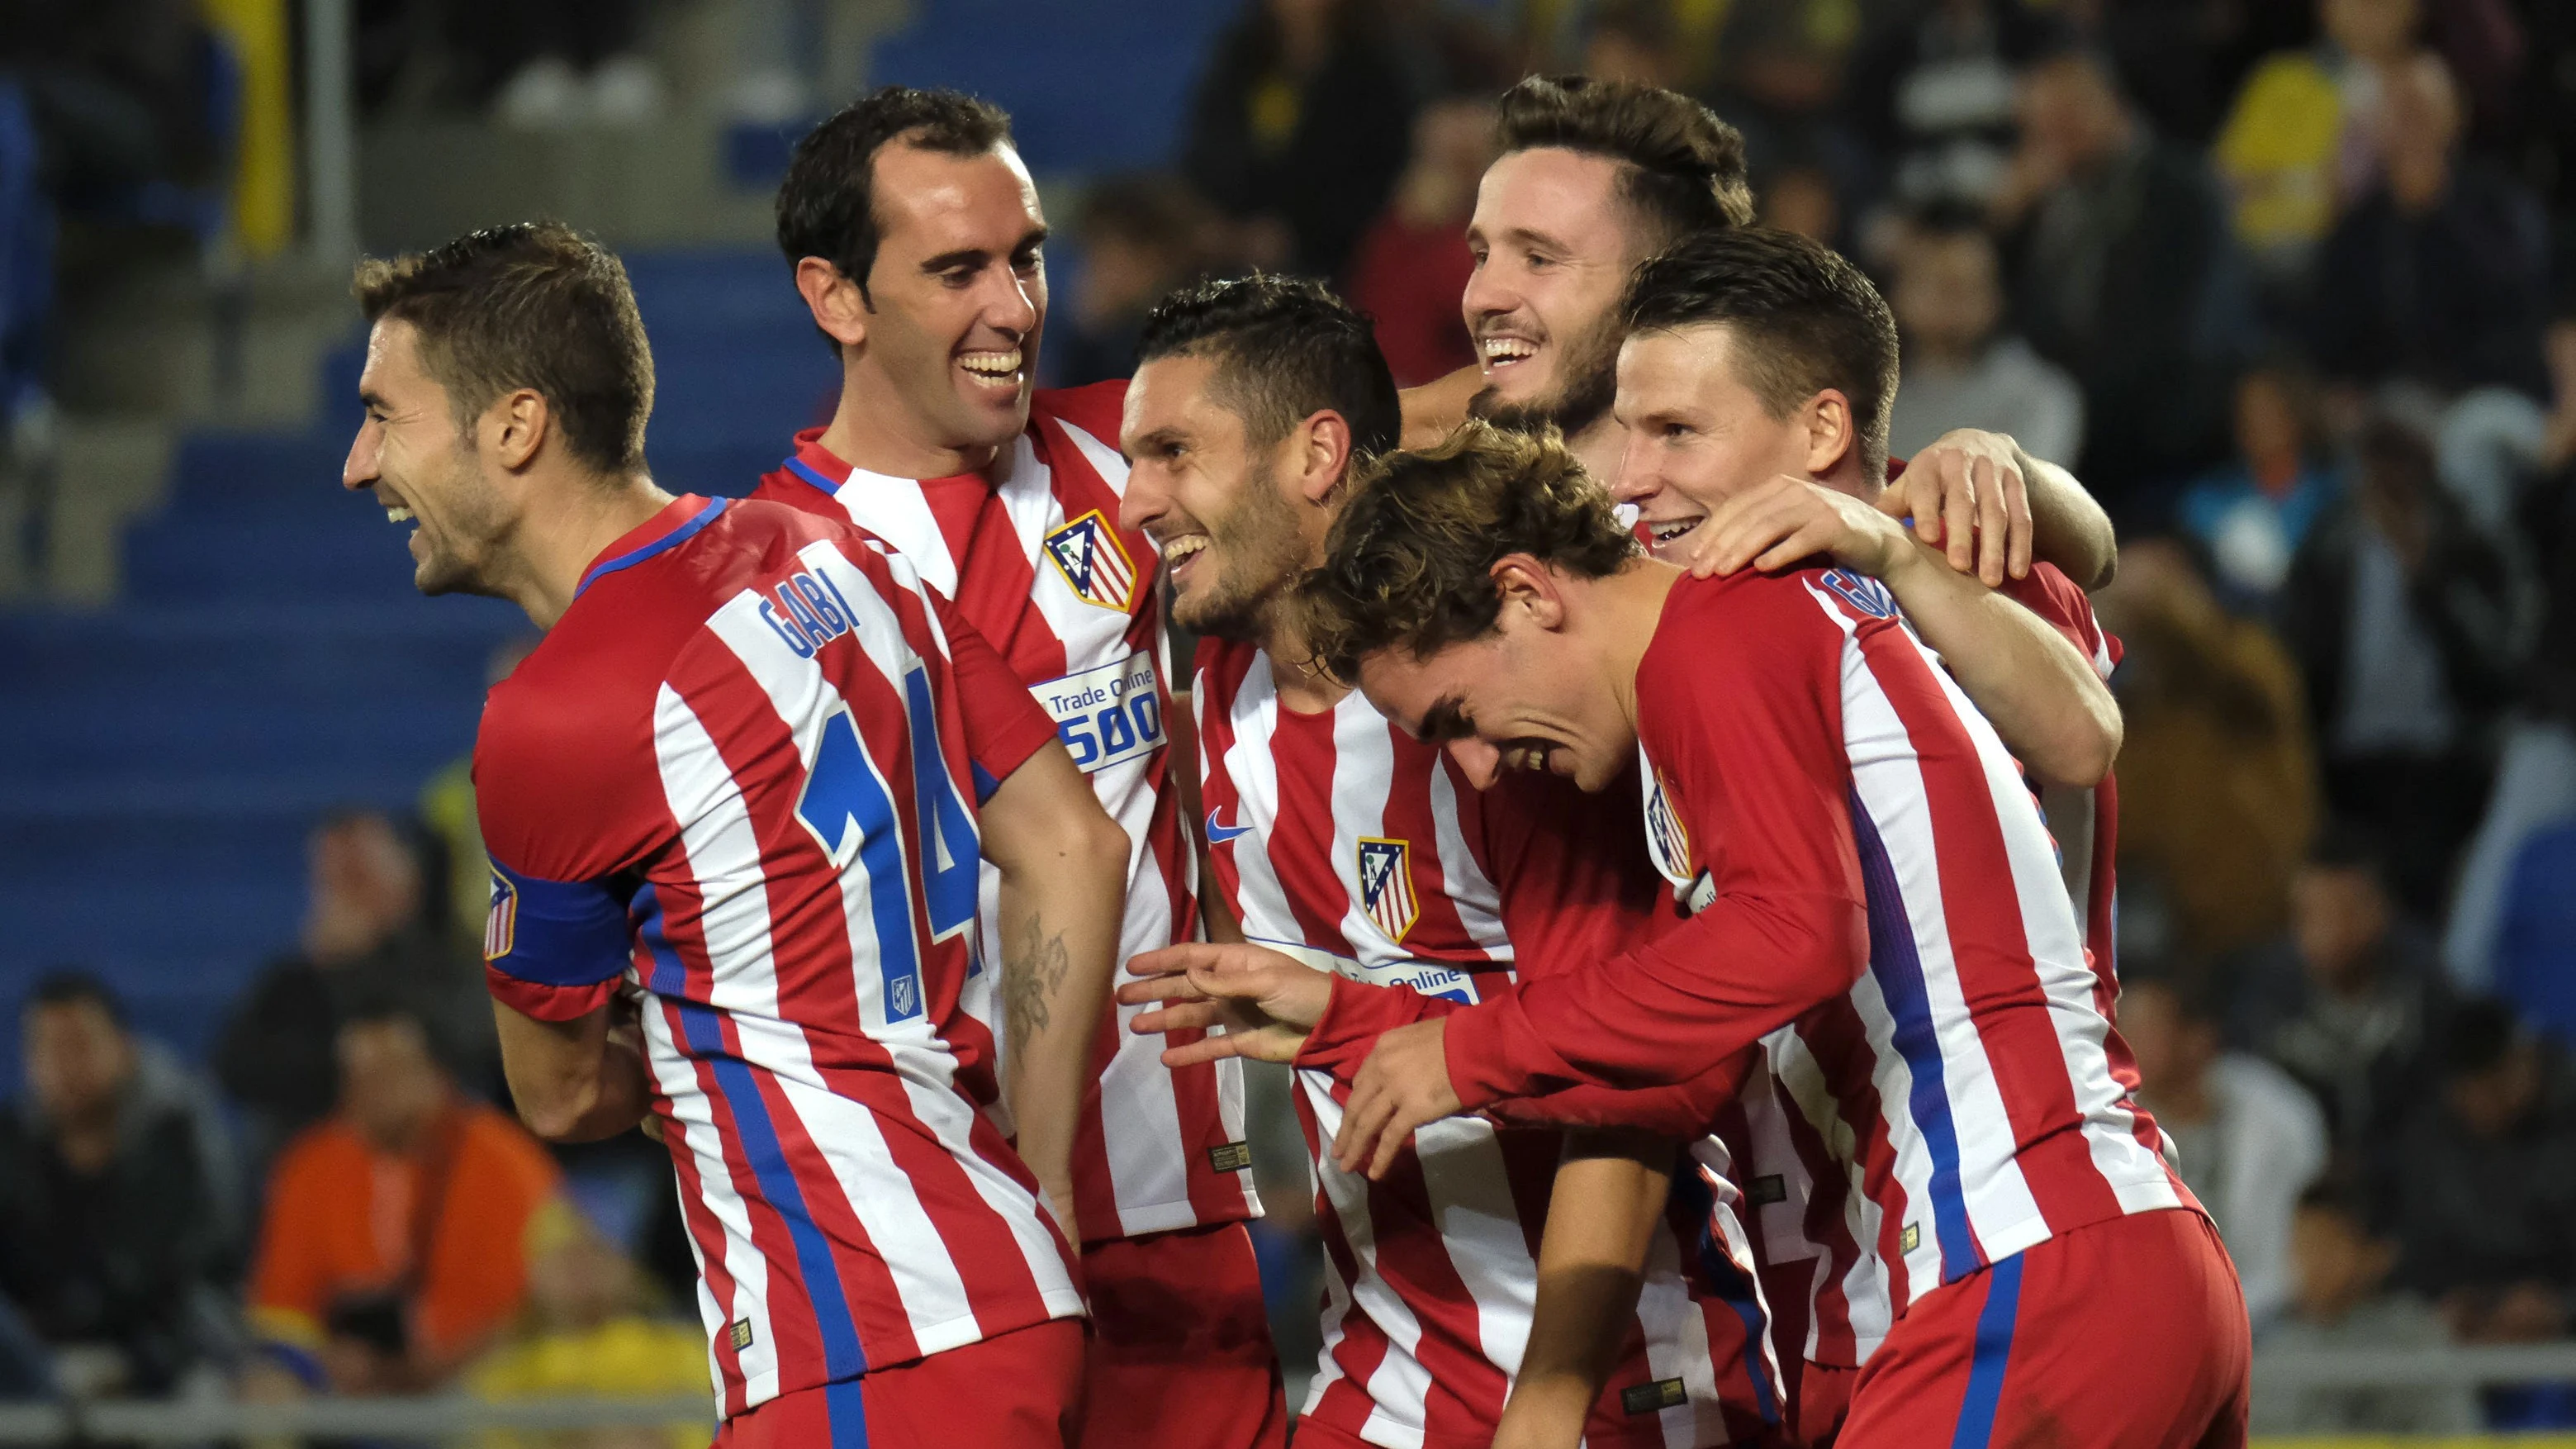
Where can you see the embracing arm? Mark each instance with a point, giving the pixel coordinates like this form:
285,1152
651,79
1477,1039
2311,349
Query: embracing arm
1435,409
578,1080
1610,1189
2068,528
1063,865
1992,508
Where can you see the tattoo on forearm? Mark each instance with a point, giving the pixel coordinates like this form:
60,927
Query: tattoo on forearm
1031,972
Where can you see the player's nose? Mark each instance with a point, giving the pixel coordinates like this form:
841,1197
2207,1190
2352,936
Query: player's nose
1145,501
1485,297
1011,304
358,471
1637,479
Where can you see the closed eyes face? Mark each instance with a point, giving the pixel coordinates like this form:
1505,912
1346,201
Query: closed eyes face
1510,701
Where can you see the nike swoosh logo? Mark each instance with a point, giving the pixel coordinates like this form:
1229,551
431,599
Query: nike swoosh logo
1220,834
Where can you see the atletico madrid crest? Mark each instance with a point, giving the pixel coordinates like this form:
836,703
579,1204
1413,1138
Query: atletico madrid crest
1087,552
1666,839
1386,885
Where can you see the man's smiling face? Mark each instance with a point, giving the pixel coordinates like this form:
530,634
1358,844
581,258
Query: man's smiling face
1697,435
1552,243
1520,698
414,455
1233,533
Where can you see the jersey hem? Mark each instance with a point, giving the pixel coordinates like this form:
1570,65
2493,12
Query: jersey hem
938,1338
1173,1217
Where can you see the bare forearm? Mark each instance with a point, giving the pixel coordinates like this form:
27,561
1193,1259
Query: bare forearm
2040,693
1058,949
575,1081
1610,1188
1435,409
2067,528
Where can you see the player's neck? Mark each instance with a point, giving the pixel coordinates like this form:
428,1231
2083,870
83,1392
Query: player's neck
1627,609
1301,686
1598,448
1848,476
565,531
875,438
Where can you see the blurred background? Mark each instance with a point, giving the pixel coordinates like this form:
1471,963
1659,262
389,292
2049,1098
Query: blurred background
2290,283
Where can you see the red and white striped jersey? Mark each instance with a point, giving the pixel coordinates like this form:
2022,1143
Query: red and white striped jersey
1340,840
738,779
1035,560
1797,1190
1870,874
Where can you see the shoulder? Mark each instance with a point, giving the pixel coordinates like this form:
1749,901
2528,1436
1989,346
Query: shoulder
1745,612
1095,408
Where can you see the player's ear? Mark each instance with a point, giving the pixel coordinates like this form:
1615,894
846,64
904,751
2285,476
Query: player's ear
515,427
838,307
1830,432
1528,589
1323,454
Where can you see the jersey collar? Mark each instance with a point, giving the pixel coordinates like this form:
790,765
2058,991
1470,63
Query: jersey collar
677,523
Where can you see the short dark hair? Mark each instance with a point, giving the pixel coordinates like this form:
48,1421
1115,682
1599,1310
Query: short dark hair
1805,320
1409,562
1286,348
2479,1037
2348,844
534,305
827,204
72,986
1683,168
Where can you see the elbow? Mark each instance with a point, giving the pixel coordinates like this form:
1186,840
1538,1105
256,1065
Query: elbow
557,1111
2079,755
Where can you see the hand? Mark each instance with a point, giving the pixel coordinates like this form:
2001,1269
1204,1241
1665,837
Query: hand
1774,524
1402,1086
1968,489
1264,1002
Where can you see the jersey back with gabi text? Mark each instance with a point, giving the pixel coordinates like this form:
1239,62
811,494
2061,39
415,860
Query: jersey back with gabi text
1034,559
1339,840
737,782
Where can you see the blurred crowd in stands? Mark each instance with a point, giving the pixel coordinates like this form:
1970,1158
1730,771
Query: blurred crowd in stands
2291,286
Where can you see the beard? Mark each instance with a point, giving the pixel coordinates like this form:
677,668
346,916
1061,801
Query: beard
1263,554
1588,382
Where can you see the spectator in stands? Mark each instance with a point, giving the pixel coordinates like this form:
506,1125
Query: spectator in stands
367,928
2217,781
2438,274
1141,235
2343,1302
2249,1138
590,1330
120,92
2350,1000
394,1246
1413,265
2251,514
1933,93
2302,140
2399,616
1801,197
2488,1197
119,1218
2117,245
1298,129
1959,369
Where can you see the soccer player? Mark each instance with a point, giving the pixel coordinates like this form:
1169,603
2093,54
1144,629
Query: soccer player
1365,855
916,239
1863,864
735,801
1592,178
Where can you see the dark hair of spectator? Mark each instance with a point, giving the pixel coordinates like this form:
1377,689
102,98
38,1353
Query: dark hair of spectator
1146,210
1286,349
1409,562
534,305
384,1003
1684,168
1804,320
827,204
2480,1036
2199,996
71,986
2338,1190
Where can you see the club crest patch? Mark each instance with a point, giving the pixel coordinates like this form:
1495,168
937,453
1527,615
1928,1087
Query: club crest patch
1094,563
501,927
1667,840
1386,885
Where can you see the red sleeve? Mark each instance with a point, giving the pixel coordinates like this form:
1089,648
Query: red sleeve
2053,596
1577,886
571,806
1740,701
1004,726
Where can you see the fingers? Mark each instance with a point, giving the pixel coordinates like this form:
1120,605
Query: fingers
1816,536
1392,1138
1189,1016
1174,960
1994,533
1362,1117
1923,495
1959,517
2018,522
1205,1049
1159,988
